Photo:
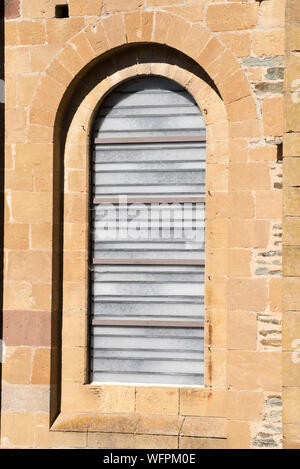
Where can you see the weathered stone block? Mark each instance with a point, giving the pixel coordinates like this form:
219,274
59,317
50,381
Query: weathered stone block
248,233
41,366
273,107
85,7
26,398
291,261
238,43
117,399
156,442
158,424
26,328
156,400
110,440
202,443
205,402
239,435
272,14
16,368
242,330
16,236
204,427
245,405
247,294
249,176
254,370
269,204
231,17
290,369
60,31
268,42
112,6
17,430
32,32
67,440
291,405
12,9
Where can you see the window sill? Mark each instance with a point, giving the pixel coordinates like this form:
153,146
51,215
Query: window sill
118,423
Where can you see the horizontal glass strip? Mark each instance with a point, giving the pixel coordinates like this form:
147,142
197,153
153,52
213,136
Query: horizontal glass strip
151,378
147,365
150,353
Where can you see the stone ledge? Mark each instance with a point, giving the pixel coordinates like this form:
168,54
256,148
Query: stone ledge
118,423
135,424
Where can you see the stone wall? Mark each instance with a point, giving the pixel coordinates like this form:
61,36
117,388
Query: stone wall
291,267
51,64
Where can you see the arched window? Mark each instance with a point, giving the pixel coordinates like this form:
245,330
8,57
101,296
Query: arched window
148,232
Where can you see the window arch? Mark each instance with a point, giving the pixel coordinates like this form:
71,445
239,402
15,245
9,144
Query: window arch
147,248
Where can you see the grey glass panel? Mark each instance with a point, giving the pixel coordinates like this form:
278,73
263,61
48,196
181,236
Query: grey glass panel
128,99
154,152
147,289
153,110
143,231
172,333
141,167
131,112
107,273
150,190
154,310
150,353
148,107
159,129
178,210
168,365
150,169
151,177
179,378
134,254
120,353
150,123
148,341
159,278
151,299
144,246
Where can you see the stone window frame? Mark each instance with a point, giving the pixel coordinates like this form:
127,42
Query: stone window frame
96,257
78,396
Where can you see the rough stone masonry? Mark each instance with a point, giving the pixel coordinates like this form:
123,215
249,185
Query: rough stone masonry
59,64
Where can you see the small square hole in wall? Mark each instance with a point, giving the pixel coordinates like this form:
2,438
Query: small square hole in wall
61,11
279,152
